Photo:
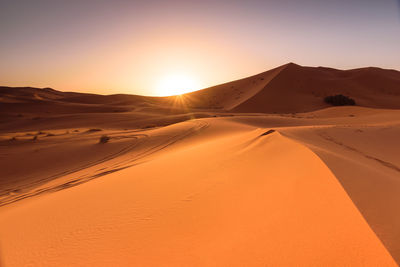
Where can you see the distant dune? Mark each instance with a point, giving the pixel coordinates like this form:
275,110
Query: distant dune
287,89
255,172
293,88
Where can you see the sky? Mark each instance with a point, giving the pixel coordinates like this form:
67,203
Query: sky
140,47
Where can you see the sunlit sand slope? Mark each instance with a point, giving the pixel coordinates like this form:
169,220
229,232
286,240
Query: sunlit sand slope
360,146
230,195
365,158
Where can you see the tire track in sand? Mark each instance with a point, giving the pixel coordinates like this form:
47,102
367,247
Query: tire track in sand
123,159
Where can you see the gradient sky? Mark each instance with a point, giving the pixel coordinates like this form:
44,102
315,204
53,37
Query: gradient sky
121,46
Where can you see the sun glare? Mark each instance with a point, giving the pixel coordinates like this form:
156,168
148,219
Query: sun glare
177,84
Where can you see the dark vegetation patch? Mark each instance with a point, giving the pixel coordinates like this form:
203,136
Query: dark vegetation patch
104,139
339,100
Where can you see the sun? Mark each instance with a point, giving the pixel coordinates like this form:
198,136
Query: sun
177,84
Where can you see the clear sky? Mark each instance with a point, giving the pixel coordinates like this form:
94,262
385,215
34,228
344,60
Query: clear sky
137,47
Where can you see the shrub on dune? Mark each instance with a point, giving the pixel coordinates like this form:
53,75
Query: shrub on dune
104,139
339,100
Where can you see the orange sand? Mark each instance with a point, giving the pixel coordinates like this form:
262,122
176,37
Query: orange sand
321,189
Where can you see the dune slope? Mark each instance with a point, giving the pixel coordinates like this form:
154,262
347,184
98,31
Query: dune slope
230,195
360,146
300,89
365,159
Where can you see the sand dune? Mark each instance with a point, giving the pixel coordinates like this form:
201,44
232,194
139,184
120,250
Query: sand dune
256,172
245,208
366,161
286,89
294,88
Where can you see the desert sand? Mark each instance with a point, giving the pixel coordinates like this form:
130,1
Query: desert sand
255,172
